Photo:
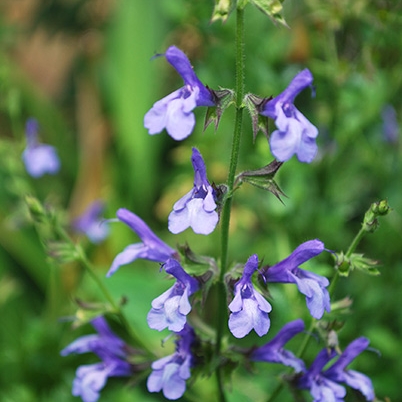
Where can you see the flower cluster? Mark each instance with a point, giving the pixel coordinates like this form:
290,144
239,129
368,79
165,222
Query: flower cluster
176,309
113,352
324,384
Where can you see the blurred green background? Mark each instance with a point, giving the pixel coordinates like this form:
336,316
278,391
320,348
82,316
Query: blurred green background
82,68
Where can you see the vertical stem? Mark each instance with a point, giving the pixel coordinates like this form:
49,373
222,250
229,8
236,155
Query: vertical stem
225,217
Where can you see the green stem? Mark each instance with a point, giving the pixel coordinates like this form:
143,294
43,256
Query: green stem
91,272
225,217
349,252
355,242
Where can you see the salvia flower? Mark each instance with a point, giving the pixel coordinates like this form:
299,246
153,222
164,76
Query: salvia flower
294,134
92,224
313,286
274,352
152,248
321,388
325,385
90,379
175,112
38,159
170,309
249,308
197,209
337,372
170,373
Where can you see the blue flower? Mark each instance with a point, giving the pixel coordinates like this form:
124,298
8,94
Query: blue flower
91,223
313,286
337,372
249,309
295,134
322,389
39,159
170,373
197,209
324,385
174,112
170,309
152,248
390,126
90,379
273,351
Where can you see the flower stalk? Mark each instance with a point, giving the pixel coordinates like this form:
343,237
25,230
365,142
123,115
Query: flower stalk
225,218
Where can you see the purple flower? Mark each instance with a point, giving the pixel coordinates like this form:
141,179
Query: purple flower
337,372
324,385
90,379
295,134
197,209
152,248
322,389
170,309
249,309
390,124
273,351
313,286
39,159
91,223
170,373
174,112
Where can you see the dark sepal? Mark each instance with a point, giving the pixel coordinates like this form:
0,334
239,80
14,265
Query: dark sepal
223,98
259,122
264,178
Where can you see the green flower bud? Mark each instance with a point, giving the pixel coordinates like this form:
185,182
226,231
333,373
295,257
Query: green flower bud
370,222
35,208
222,10
342,264
381,208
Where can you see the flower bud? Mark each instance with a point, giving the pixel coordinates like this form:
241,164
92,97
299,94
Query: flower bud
36,209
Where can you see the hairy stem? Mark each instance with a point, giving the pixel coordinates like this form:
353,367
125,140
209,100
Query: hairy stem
225,217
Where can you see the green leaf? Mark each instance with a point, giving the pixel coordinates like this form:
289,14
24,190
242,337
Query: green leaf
346,264
272,8
364,264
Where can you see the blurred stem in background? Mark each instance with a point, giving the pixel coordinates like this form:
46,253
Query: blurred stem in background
131,81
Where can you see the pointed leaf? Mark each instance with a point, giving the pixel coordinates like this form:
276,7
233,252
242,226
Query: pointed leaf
272,8
223,99
264,178
259,122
